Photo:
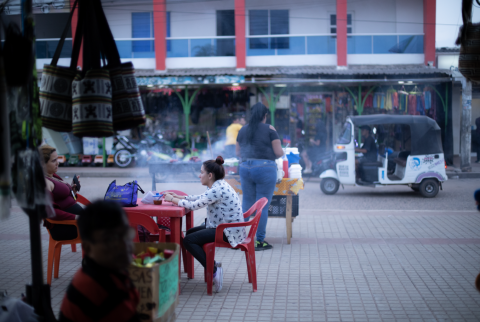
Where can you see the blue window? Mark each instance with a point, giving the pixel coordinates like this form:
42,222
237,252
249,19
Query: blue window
142,27
269,22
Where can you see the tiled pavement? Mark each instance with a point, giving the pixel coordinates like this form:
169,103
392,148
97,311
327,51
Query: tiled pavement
341,266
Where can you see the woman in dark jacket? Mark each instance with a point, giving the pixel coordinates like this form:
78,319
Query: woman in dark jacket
63,196
258,145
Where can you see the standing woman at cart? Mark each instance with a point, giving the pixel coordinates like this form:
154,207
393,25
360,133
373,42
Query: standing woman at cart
258,145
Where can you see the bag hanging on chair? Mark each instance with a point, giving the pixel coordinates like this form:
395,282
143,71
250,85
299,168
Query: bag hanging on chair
128,110
56,85
92,89
469,41
126,195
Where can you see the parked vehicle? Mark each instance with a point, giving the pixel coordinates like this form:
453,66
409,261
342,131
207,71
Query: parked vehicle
422,168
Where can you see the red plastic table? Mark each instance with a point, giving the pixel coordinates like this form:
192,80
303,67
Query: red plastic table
175,213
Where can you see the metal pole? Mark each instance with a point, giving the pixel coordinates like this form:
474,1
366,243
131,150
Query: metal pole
104,154
465,126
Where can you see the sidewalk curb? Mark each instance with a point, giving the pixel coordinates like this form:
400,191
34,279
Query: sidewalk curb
463,175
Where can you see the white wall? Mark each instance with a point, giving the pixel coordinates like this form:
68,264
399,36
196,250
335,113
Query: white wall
409,16
201,62
292,60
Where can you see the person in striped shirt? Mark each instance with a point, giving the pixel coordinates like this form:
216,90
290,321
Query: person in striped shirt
101,290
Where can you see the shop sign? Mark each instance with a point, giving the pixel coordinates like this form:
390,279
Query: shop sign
155,80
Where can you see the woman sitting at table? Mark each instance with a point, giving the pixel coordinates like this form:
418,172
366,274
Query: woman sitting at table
63,196
223,206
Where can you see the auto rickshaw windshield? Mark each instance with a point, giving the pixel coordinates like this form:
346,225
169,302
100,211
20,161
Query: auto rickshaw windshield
346,135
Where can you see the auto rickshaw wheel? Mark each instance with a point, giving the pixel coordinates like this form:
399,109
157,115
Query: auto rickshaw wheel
429,188
329,186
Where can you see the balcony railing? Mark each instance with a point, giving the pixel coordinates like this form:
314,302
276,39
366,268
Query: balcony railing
291,45
201,47
45,48
127,48
385,44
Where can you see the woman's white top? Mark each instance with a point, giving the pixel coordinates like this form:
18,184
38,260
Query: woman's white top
223,206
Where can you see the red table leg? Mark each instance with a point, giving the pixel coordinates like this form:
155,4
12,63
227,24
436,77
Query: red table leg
189,257
176,232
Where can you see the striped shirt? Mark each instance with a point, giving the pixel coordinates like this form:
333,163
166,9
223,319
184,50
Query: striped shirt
98,294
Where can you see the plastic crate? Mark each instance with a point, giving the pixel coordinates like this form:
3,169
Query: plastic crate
278,206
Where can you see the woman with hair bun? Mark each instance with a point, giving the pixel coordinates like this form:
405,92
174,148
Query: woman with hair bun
223,206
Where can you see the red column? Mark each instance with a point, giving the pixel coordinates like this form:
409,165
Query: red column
74,28
341,32
160,31
429,21
240,40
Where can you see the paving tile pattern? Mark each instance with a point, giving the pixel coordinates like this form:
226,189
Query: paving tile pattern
341,266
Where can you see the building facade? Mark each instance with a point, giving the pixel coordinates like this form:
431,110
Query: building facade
323,59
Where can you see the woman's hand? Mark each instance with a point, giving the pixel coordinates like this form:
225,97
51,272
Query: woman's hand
169,196
74,186
175,195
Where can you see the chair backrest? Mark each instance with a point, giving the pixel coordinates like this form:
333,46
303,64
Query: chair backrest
258,207
139,219
81,199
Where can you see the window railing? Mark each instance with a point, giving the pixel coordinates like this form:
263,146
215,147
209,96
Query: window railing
291,45
385,44
201,46
127,48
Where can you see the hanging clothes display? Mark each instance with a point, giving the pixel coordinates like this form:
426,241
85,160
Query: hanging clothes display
382,101
395,100
388,101
428,100
412,104
376,103
328,104
420,105
368,101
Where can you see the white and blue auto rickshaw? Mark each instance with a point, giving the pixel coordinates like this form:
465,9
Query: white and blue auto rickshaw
419,162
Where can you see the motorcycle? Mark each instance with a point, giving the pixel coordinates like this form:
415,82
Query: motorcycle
322,162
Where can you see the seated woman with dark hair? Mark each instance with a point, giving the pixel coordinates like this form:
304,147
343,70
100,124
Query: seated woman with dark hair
63,196
223,206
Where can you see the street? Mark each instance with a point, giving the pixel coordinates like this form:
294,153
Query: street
360,255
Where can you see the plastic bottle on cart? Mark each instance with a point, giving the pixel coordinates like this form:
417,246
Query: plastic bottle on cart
295,171
285,165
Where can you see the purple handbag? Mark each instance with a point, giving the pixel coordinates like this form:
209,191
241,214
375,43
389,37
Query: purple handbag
126,195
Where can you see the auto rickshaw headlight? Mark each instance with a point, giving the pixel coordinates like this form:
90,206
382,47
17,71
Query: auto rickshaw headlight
341,147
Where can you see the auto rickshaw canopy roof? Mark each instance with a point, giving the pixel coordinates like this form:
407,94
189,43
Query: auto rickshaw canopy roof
425,133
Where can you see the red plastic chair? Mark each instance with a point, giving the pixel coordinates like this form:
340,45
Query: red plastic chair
55,246
84,201
247,246
136,219
166,222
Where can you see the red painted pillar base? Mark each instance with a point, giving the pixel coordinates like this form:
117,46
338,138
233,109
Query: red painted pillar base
341,33
240,41
429,21
160,31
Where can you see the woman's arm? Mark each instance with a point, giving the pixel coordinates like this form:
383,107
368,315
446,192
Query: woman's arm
277,148
203,201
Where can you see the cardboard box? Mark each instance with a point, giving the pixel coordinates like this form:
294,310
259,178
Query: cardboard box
158,285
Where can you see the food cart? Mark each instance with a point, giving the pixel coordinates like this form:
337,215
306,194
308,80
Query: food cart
288,187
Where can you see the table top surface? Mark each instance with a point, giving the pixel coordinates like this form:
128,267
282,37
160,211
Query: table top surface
166,209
